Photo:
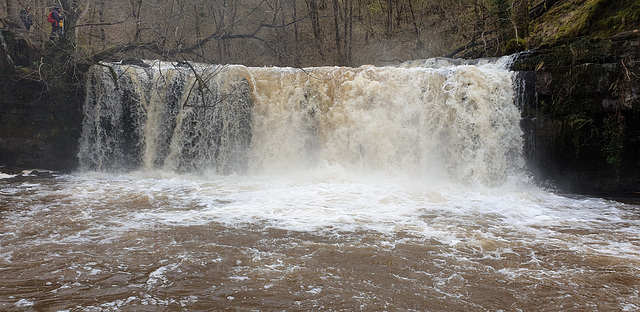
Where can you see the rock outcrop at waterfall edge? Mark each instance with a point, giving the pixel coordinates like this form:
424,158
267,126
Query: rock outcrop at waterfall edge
581,114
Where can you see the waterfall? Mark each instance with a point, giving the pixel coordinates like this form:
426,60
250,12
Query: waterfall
437,118
171,116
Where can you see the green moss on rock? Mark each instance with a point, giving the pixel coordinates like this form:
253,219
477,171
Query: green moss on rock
616,17
592,18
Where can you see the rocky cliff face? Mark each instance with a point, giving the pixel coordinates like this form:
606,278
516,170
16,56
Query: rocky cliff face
38,128
581,114
40,108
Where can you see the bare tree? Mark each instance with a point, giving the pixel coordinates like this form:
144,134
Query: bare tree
9,8
314,16
280,32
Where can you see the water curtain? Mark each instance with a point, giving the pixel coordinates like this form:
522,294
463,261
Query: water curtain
434,118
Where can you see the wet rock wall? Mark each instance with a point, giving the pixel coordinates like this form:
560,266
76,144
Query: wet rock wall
580,110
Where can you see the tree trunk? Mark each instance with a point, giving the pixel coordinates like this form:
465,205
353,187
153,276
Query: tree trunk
136,6
315,23
5,58
79,15
389,17
336,24
416,30
295,18
10,8
103,34
71,11
520,16
348,30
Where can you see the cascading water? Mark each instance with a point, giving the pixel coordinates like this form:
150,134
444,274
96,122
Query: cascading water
165,116
206,187
453,122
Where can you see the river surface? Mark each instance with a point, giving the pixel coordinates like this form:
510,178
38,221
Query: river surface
320,241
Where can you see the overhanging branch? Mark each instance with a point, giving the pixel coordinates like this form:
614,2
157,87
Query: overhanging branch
99,24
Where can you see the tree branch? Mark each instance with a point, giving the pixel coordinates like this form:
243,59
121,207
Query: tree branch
149,46
100,24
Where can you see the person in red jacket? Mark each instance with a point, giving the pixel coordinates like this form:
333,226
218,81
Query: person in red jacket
55,18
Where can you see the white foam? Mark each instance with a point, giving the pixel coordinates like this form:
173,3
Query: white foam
157,277
332,203
24,303
28,172
7,176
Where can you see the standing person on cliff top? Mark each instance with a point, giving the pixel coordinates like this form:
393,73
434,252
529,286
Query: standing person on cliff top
56,20
26,17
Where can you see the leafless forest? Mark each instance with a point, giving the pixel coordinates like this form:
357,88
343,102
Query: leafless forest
280,32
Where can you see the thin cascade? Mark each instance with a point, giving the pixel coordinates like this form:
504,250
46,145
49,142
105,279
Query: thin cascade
159,116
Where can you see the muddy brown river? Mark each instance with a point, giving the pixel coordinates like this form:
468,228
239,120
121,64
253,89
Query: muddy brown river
159,242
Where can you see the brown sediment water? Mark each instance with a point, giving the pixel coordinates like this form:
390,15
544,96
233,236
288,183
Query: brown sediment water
102,242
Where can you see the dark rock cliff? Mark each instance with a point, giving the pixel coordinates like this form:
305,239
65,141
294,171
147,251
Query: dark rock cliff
40,107
39,128
581,114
